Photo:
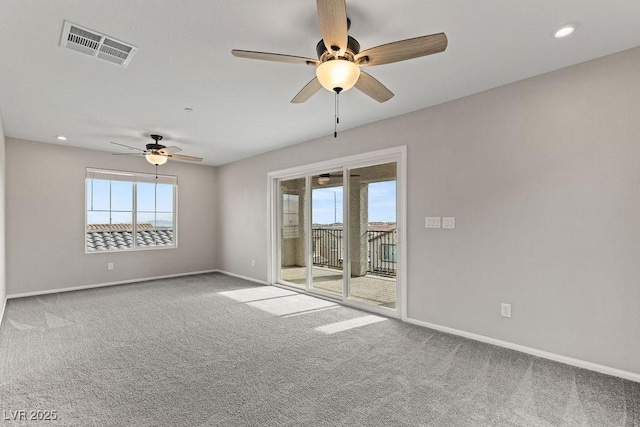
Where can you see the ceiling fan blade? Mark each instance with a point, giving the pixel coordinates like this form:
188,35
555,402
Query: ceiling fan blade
127,154
333,25
128,146
307,91
373,88
170,150
402,50
183,157
276,57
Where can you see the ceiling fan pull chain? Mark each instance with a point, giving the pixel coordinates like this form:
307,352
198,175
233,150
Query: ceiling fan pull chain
337,114
338,108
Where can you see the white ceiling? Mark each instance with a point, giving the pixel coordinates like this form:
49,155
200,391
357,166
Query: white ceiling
241,107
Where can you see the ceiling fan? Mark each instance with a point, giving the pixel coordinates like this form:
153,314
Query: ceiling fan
156,153
325,178
339,56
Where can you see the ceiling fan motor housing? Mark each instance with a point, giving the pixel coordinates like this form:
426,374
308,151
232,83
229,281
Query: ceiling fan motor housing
155,147
352,46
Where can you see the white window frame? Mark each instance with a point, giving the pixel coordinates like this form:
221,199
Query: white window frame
135,178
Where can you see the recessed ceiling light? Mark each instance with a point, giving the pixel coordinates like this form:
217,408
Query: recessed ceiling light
564,31
61,138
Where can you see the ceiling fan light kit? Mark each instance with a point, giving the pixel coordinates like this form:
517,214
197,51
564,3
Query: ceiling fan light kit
338,75
156,159
324,179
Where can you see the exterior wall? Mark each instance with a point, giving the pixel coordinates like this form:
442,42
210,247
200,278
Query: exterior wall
358,221
45,220
542,176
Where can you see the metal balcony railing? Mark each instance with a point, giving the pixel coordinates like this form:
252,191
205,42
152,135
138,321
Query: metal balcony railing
328,250
327,247
382,252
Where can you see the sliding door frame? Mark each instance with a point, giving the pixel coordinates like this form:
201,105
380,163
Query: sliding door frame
394,154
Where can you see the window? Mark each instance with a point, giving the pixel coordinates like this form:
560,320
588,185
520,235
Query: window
389,252
129,210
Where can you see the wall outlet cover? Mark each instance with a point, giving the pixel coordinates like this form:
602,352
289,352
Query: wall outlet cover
505,310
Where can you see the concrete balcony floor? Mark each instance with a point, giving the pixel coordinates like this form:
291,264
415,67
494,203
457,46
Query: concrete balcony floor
370,289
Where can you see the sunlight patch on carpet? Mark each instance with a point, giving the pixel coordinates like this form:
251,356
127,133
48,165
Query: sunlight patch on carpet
258,293
311,311
345,325
290,304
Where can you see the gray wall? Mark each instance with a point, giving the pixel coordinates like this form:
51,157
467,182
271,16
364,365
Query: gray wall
3,164
543,178
45,220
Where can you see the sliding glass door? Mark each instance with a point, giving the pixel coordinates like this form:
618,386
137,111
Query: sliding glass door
327,232
338,234
373,235
293,240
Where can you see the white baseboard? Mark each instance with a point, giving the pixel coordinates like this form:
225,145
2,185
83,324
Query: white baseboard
101,285
250,279
4,305
535,352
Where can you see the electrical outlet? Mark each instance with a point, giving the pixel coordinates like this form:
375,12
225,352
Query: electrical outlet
253,263
110,266
505,310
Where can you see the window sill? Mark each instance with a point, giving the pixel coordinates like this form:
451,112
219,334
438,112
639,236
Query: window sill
113,251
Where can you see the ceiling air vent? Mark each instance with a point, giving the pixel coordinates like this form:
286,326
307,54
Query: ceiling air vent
95,44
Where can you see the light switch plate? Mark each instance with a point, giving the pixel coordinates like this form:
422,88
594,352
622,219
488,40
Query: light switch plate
449,222
432,222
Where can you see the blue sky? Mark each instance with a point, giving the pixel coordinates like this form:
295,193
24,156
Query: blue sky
122,202
382,203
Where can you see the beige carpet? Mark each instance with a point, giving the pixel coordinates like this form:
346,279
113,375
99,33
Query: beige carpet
212,350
